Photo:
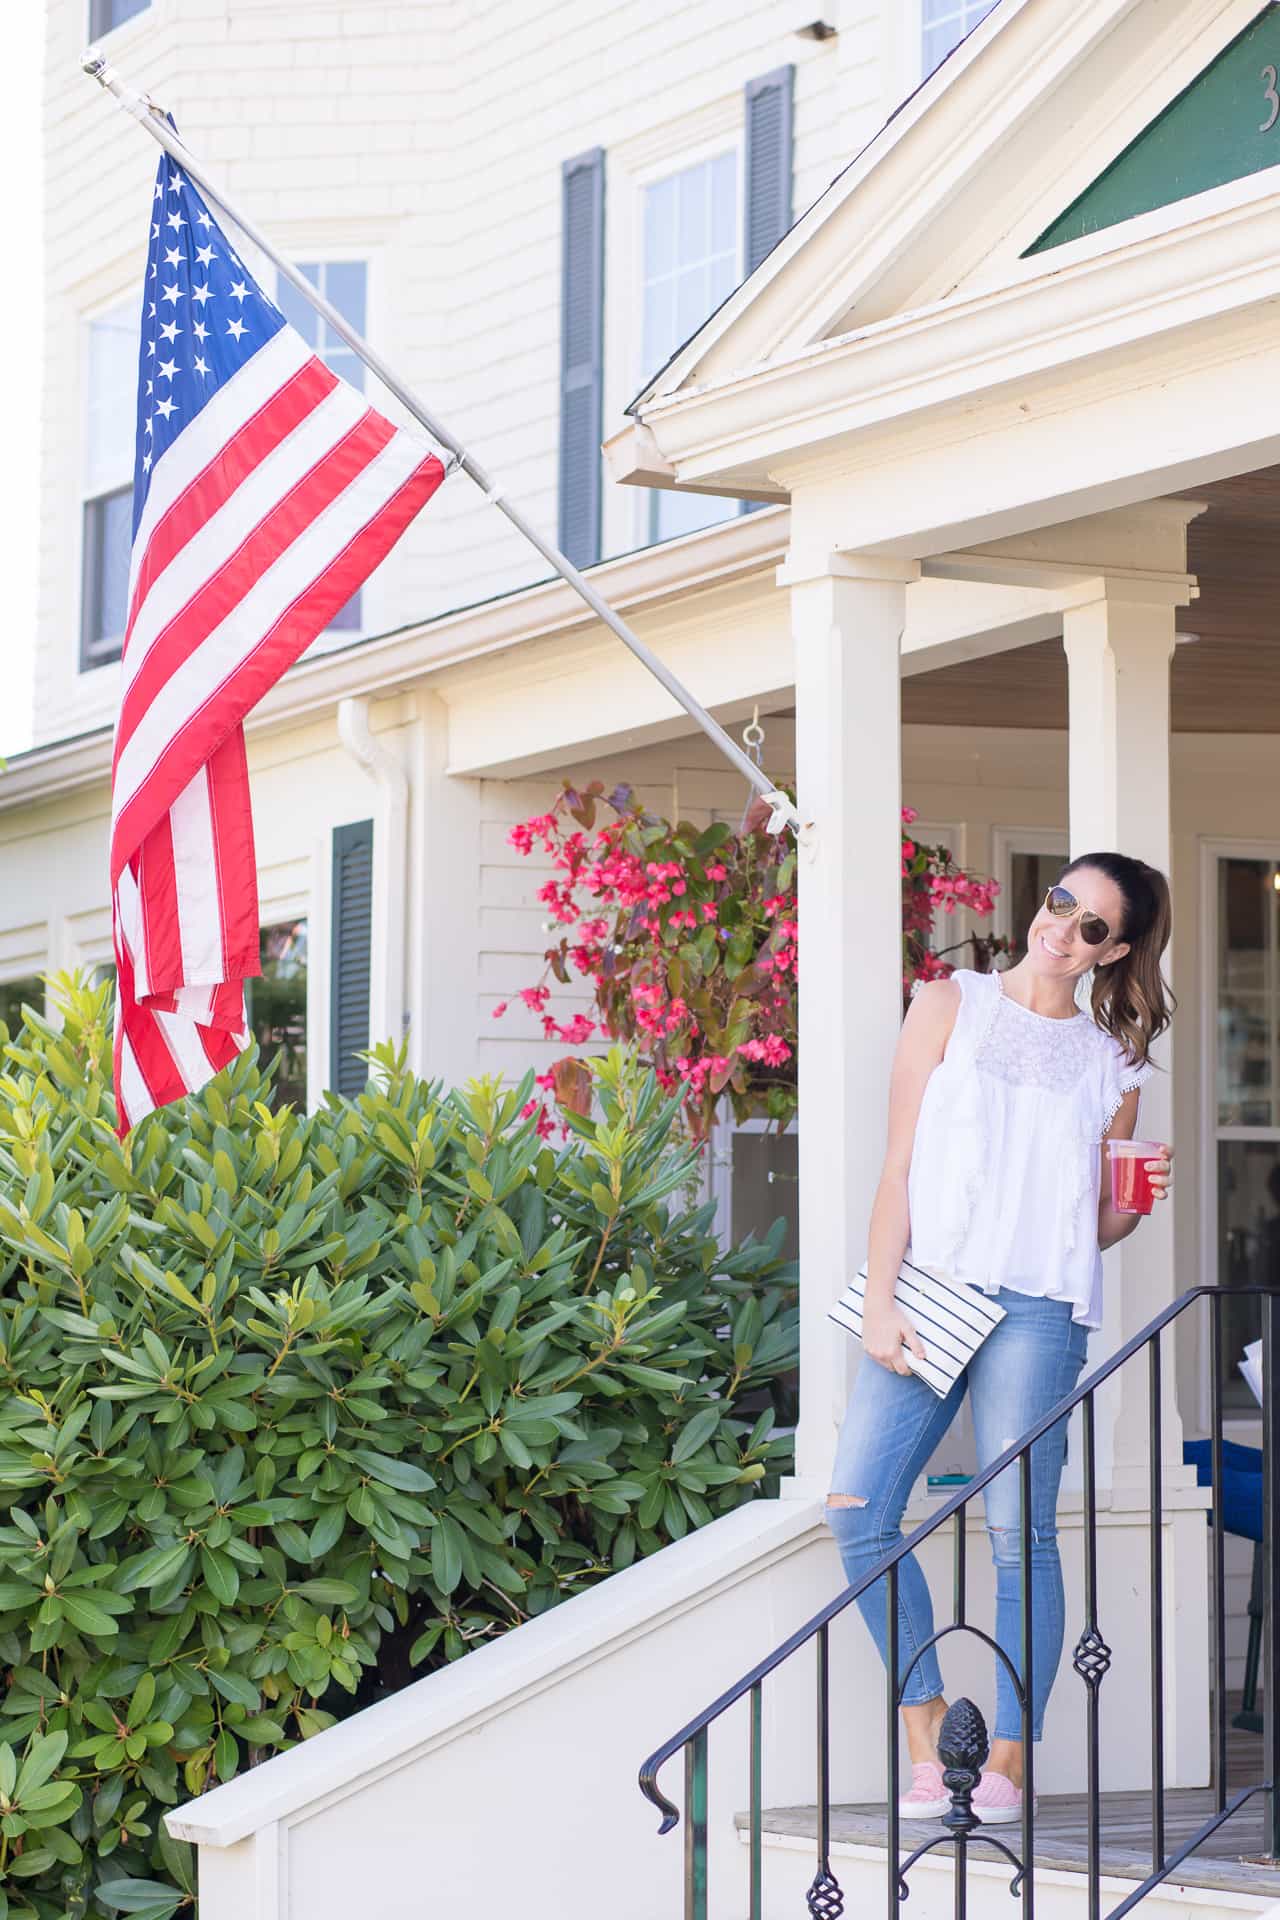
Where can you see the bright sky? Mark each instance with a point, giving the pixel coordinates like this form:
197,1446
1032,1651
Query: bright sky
21,339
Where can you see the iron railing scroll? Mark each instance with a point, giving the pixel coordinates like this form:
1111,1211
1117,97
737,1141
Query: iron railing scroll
963,1744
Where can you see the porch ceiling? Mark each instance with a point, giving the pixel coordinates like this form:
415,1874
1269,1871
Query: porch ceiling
1228,681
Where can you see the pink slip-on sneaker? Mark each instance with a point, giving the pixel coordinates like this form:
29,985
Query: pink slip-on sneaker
928,1799
996,1801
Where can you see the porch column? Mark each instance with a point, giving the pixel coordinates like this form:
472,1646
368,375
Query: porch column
848,612
1119,639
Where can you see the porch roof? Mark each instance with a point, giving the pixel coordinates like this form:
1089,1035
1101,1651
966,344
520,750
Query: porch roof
1225,680
901,321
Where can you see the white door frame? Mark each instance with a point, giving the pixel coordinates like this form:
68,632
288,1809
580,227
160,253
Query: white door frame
1212,850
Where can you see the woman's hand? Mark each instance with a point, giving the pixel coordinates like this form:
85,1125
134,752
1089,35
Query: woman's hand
886,1334
1160,1173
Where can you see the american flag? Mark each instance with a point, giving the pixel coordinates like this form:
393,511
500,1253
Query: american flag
265,492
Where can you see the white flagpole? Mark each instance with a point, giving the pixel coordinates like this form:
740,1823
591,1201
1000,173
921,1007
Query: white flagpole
149,116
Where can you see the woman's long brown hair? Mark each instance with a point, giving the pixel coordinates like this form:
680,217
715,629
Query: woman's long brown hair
1131,998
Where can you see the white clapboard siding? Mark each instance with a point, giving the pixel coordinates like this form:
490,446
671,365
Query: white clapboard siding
429,141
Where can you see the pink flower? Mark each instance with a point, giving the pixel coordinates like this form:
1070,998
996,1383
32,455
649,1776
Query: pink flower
499,1010
574,1032
545,1126
772,1049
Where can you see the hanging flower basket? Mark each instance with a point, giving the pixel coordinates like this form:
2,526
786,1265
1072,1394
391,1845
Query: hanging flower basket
689,939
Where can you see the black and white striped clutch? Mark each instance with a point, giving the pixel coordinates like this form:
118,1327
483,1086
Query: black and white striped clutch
951,1318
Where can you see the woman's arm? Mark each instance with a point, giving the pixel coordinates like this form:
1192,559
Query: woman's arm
921,1045
1112,1226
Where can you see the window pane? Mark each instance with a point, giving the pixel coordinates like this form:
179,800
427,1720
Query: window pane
346,365
277,1007
1248,1247
724,202
690,264
659,314
946,22
105,14
14,994
766,1173
660,228
690,220
722,278
693,300
693,225
1248,994
344,283
344,287
297,310
111,398
347,619
673,513
105,575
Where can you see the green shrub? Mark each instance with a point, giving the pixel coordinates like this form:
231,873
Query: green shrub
290,1408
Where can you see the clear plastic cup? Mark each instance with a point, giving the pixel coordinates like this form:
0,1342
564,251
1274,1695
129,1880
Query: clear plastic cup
1131,1188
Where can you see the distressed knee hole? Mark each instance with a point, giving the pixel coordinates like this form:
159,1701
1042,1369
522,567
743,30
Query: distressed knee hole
1010,1538
845,1500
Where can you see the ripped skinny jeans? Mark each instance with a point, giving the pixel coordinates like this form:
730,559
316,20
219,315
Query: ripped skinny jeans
894,1423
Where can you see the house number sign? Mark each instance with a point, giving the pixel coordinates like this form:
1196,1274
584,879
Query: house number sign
1224,126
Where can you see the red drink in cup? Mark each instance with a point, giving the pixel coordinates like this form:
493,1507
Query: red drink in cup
1131,1189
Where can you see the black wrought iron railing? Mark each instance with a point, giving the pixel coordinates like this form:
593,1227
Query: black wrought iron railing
963,1744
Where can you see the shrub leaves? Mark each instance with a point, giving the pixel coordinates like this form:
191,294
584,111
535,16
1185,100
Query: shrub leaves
291,1407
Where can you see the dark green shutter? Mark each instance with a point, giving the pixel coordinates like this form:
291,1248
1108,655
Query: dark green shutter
768,183
350,950
581,355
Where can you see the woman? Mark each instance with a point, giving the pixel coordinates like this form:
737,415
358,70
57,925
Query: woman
1002,1094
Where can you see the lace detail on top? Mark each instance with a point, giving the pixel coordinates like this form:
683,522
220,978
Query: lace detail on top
1027,1050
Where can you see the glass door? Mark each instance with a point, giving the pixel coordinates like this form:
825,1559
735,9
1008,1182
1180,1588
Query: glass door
1246,1096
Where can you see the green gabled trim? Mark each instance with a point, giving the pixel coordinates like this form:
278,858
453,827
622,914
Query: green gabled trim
1215,130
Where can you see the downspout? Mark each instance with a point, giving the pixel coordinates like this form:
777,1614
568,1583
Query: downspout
388,1015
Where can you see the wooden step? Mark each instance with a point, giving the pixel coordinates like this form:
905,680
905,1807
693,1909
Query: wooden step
1060,1893
1227,1876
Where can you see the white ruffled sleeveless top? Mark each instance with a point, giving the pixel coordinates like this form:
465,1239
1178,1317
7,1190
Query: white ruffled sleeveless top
1005,1170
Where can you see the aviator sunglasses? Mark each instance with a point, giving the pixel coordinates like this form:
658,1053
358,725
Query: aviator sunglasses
1062,903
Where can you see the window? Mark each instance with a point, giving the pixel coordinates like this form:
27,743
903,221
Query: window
1027,863
15,994
753,1178
1247,1097
107,516
277,1008
691,240
105,14
944,24
765,1169
950,930
344,284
